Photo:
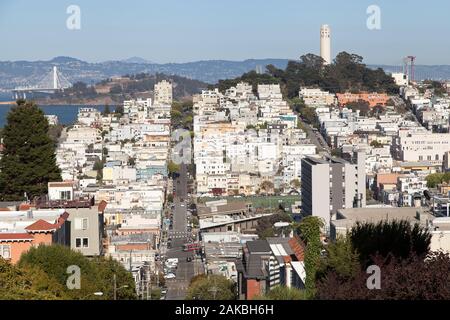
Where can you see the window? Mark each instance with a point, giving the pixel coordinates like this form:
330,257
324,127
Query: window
82,242
65,195
81,223
5,251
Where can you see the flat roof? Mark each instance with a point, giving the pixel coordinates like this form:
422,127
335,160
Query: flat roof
349,217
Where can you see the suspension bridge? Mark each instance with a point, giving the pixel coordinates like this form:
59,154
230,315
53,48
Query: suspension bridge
52,82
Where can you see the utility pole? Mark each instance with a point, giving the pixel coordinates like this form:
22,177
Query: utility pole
115,287
131,251
150,285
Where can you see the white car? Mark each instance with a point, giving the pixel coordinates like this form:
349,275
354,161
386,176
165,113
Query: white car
170,276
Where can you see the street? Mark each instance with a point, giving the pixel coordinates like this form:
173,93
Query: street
177,288
315,137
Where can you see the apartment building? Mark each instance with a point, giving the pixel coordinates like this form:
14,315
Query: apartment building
163,93
21,230
268,263
314,97
422,146
331,184
373,99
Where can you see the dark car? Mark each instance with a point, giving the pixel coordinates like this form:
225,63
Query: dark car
188,259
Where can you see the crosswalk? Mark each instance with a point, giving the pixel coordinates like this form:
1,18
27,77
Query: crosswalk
179,234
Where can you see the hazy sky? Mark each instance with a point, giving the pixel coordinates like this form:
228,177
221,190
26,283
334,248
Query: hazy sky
190,30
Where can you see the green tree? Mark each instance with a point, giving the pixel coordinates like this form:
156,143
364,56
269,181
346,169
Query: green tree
295,184
341,258
376,144
28,161
27,284
96,274
265,227
437,178
370,239
106,110
173,168
211,287
119,110
267,186
310,229
282,293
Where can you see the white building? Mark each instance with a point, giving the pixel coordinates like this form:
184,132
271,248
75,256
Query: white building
315,97
325,43
400,79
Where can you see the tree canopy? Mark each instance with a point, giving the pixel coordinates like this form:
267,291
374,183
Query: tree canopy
401,251
282,293
347,72
96,274
396,238
28,160
310,229
211,287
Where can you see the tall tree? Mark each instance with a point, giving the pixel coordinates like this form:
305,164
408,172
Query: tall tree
396,238
28,161
310,229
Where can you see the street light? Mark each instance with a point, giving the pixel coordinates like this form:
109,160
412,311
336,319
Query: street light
116,289
98,294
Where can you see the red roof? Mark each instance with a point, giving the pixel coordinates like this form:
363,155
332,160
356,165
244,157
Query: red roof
16,236
24,207
41,225
298,247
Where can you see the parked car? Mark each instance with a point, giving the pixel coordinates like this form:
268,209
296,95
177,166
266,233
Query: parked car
170,276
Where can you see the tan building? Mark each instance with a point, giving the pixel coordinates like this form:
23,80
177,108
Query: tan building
163,93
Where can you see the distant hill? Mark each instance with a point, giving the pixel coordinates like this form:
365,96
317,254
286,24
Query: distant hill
117,89
422,72
19,73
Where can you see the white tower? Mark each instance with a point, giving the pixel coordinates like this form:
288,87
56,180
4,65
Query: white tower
325,43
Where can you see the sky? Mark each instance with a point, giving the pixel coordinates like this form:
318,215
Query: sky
191,30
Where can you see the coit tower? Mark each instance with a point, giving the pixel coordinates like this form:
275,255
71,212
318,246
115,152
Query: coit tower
325,43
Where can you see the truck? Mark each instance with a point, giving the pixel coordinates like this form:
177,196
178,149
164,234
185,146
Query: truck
172,261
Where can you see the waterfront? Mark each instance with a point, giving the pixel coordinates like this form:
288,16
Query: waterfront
67,114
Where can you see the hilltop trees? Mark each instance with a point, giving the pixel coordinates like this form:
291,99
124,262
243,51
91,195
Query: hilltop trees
28,161
347,72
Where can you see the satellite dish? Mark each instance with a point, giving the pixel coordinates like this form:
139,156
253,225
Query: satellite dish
281,224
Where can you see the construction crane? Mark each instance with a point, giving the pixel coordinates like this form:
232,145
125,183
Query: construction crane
409,61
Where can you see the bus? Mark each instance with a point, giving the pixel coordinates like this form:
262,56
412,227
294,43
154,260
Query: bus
189,247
